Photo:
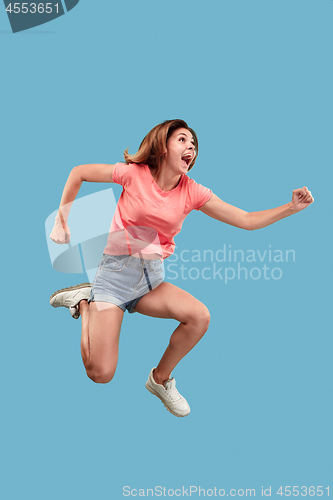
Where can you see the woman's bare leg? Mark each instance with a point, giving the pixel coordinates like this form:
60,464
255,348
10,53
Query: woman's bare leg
169,301
85,346
101,324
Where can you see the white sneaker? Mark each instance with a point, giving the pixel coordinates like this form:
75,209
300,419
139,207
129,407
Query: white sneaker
75,311
168,394
70,297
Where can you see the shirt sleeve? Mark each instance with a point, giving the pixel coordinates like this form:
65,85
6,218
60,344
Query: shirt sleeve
198,195
122,174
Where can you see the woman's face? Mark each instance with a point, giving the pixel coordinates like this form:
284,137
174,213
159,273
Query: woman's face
180,151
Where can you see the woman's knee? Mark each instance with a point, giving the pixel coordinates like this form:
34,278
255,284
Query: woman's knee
100,375
200,317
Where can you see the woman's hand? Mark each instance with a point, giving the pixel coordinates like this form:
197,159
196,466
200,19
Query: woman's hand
60,234
301,199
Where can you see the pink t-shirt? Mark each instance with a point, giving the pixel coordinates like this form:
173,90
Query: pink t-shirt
147,218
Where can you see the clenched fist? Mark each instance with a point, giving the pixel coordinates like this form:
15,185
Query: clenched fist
301,198
60,233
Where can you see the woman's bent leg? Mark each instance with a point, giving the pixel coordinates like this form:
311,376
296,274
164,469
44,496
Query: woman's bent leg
169,301
101,324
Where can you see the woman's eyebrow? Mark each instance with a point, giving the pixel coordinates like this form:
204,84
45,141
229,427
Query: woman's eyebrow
183,133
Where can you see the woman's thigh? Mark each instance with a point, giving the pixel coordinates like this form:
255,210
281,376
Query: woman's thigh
169,301
105,321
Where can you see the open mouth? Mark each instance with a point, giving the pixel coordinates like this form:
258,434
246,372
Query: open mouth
186,159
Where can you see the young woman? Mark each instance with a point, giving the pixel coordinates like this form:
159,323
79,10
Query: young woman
157,196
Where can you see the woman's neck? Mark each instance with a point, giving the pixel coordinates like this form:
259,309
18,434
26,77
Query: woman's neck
165,180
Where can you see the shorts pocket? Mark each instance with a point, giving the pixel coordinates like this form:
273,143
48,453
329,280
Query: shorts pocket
113,262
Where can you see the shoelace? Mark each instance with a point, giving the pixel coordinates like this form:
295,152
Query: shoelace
173,394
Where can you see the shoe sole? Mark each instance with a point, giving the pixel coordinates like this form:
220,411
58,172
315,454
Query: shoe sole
151,390
77,287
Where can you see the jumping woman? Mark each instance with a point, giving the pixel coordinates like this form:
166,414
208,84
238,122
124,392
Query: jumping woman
157,196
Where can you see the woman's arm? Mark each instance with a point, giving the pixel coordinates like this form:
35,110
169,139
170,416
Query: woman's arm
96,172
218,209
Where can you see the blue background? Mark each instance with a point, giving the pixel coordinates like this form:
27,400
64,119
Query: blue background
254,79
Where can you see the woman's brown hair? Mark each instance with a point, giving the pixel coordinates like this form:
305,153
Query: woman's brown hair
152,147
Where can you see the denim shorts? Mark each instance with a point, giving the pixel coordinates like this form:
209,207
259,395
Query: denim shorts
123,280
